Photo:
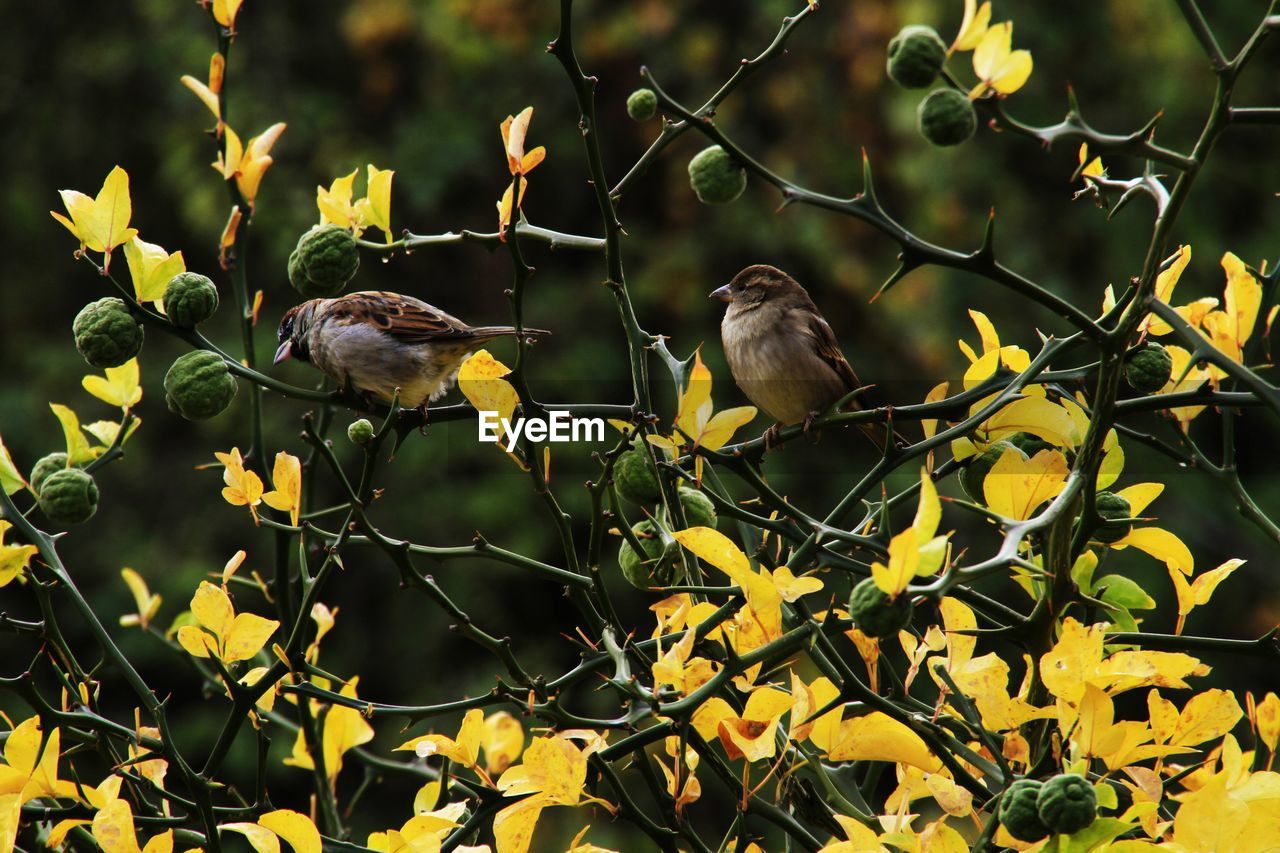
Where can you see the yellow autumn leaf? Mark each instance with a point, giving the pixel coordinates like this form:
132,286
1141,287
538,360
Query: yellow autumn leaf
1199,591
375,208
790,587
752,735
225,11
904,558
243,488
1015,486
100,223
1034,415
480,380
879,737
206,93
502,741
10,479
1162,545
255,161
939,392
513,827
261,839
119,387
973,26
463,749
151,268
997,65
287,479
335,203
514,130
297,829
13,558
1206,716
1093,170
78,449
1166,281
147,603
220,631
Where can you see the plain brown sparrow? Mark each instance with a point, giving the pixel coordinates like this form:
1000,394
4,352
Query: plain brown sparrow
377,342
781,350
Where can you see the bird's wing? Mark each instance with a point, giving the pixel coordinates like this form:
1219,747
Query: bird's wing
409,321
827,348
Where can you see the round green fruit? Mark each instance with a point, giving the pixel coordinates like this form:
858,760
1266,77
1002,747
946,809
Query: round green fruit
190,299
946,117
877,615
635,477
324,260
1019,812
977,469
916,55
1028,443
1111,507
46,466
1149,368
360,432
699,511
106,334
642,104
656,568
199,386
715,176
69,496
1067,803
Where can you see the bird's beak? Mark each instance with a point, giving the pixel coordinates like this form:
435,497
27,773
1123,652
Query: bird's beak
722,293
284,353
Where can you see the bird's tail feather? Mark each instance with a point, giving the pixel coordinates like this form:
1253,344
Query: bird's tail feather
498,331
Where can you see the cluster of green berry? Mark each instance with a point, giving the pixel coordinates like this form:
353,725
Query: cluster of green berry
916,55
1031,809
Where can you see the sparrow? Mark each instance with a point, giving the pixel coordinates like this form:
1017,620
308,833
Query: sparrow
782,352
377,342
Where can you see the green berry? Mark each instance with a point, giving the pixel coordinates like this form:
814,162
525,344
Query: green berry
326,258
977,469
190,299
1028,443
1019,813
699,511
916,55
69,496
877,615
642,104
199,386
360,432
1111,506
657,568
635,477
1149,368
46,466
715,176
106,334
1067,803
946,117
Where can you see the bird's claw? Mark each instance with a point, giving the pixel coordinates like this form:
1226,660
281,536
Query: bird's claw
807,429
770,436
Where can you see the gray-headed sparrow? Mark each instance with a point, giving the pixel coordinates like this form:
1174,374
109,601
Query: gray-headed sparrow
781,350
377,341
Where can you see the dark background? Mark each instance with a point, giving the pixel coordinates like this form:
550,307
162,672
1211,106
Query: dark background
421,87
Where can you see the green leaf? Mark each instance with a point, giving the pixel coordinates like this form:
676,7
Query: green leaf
1123,592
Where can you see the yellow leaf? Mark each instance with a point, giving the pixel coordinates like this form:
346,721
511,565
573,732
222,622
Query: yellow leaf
295,828
503,741
1076,655
878,737
287,479
1162,545
998,66
1015,486
938,392
480,380
973,27
904,557
334,203
10,480
718,550
1166,281
513,827
101,223
1140,496
113,828
249,633
790,587
78,449
1268,716
255,162
1037,416
147,603
344,729
13,558
206,94
1206,716
151,268
120,387
378,197
261,839
225,11
243,488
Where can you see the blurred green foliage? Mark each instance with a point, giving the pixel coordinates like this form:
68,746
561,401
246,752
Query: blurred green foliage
421,87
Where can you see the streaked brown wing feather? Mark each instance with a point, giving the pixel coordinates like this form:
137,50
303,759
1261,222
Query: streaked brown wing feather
828,349
408,320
